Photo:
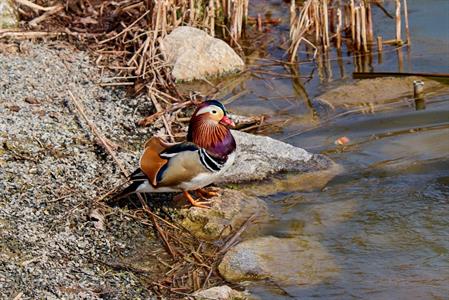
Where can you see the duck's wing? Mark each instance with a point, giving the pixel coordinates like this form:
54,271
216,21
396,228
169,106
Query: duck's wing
160,157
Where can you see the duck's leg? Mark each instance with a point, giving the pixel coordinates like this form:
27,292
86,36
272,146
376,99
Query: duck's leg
195,202
206,194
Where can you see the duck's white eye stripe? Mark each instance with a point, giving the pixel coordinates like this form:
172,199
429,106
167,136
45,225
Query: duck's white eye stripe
208,109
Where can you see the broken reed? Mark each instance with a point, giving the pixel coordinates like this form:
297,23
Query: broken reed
317,22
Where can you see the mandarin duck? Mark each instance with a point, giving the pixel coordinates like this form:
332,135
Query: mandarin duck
191,165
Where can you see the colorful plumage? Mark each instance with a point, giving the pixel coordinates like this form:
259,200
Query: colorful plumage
189,166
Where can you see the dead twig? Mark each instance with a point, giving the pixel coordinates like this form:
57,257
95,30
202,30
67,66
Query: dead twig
156,225
56,9
231,241
30,34
104,141
34,6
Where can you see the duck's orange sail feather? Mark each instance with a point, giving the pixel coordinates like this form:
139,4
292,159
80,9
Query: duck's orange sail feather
151,162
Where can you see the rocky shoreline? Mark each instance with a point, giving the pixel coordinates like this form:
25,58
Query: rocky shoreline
53,167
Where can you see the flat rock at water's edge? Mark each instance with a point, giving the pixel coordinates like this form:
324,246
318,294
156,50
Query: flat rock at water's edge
258,157
196,55
283,260
368,92
226,214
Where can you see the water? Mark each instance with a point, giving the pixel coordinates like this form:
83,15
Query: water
385,218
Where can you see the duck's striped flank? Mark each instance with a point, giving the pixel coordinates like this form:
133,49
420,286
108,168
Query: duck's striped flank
209,162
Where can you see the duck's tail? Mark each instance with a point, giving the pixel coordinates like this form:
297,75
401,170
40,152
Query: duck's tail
136,179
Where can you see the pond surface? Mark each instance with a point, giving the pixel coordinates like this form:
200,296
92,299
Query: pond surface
385,218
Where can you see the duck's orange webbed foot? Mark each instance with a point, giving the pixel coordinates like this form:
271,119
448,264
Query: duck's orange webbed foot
202,204
206,194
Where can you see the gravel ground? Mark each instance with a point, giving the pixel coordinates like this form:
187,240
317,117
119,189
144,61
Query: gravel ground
51,168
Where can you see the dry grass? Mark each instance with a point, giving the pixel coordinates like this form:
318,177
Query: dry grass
318,22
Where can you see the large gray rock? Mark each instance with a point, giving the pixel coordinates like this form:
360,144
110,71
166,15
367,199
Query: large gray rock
196,55
8,15
283,260
226,214
258,157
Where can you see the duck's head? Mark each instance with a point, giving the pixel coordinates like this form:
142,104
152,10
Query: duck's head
209,124
211,112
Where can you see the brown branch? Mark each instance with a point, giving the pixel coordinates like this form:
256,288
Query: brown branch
150,119
34,5
104,141
56,9
156,225
238,233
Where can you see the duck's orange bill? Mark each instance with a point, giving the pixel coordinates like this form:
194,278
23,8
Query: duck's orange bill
226,121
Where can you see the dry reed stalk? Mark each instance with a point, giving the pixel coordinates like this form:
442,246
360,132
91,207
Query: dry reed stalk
346,17
369,22
332,11
407,30
325,14
352,21
398,22
300,24
379,44
363,23
316,21
400,59
238,14
357,28
339,24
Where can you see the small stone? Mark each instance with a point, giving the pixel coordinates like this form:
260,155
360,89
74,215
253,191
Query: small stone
223,292
196,55
14,108
31,100
298,261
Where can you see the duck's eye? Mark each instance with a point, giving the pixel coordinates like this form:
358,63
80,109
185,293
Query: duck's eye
214,111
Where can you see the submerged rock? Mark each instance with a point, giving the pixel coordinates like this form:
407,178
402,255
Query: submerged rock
226,214
369,92
8,15
196,55
285,261
293,182
258,157
223,292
